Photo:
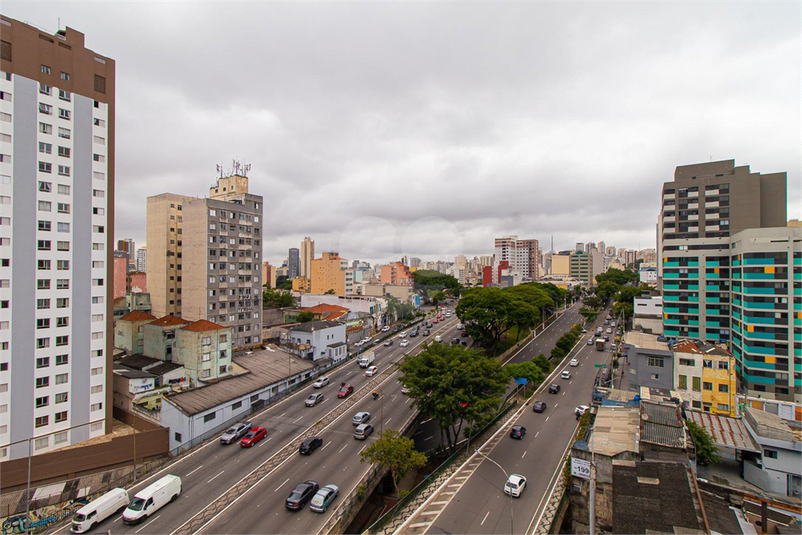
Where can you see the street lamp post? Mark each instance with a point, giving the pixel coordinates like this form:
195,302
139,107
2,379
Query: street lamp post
507,478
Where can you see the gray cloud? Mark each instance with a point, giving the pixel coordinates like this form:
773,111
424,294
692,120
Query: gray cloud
427,129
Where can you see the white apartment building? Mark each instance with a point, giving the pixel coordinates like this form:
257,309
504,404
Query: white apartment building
56,235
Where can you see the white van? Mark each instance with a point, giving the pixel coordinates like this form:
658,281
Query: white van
96,511
438,338
152,498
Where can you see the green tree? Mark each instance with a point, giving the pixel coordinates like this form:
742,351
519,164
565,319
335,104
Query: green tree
330,291
305,317
487,314
276,298
528,369
617,276
283,283
394,452
427,279
705,449
543,363
454,385
627,309
606,290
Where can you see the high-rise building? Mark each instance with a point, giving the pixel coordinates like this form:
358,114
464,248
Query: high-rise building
268,275
396,273
307,254
414,262
581,267
524,256
767,311
701,208
142,259
222,274
294,263
580,247
57,148
165,233
127,245
327,275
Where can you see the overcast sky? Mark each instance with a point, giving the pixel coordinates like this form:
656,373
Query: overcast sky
428,129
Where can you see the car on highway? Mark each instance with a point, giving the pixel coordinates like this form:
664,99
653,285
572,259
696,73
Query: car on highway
584,330
612,346
359,344
590,341
455,341
366,339
606,337
321,382
515,485
539,406
235,432
377,342
385,328
554,389
565,374
371,371
309,445
608,330
388,343
425,332
435,320
360,418
344,391
517,431
254,435
363,431
404,342
573,362
581,409
402,334
301,495
406,390
313,400
323,498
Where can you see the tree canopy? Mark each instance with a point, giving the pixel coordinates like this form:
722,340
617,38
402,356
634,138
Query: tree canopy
305,317
454,385
706,450
276,298
395,452
427,279
283,283
617,276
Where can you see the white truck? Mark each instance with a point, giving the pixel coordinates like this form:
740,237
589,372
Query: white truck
96,511
152,498
366,360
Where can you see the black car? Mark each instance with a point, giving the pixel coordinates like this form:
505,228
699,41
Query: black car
309,445
554,389
517,431
539,406
301,495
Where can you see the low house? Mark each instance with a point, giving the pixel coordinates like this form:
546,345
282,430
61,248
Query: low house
160,335
648,314
129,331
704,376
780,468
651,362
204,349
316,340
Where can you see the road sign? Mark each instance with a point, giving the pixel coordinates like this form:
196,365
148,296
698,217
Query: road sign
598,365
580,468
522,380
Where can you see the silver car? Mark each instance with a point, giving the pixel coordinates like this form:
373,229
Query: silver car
235,432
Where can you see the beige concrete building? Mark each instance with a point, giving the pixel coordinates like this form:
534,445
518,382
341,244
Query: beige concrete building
327,274
204,349
160,336
560,265
129,331
164,267
307,255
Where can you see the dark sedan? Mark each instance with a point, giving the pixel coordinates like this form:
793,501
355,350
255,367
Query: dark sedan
517,431
539,406
554,389
309,445
301,495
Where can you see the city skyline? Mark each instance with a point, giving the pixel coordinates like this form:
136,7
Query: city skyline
488,137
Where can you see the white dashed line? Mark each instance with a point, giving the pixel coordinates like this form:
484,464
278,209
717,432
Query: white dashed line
215,477
285,482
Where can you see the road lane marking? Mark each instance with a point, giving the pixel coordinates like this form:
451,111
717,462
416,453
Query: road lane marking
215,477
296,420
536,434
428,438
387,422
341,449
555,405
564,392
326,445
195,470
547,418
407,401
485,518
285,482
524,455
149,523
282,414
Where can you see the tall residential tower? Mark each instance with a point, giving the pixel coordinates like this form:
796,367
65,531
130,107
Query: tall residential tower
56,239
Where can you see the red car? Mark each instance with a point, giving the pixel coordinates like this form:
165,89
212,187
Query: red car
254,435
435,320
344,391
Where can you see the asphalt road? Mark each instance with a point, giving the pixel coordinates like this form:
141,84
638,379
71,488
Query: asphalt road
210,470
262,510
480,505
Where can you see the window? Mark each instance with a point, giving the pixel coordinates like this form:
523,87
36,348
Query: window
46,109
99,158
5,117
45,128
42,421
64,95
60,438
43,284
42,382
43,323
98,193
100,122
100,84
65,75
99,140
686,362
44,206
43,401
44,226
41,443
63,245
209,417
45,167
45,69
64,114
43,362
42,304
707,363
62,378
63,322
697,384
43,265
770,454
177,437
45,148
62,284
64,151
97,175
96,407
656,362
63,208
45,187
62,340
64,133
62,359
683,382
707,386
44,89
723,365
97,371
64,170
63,265
655,377
62,397
63,302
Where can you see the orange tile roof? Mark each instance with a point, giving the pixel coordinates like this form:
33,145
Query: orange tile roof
137,315
169,321
203,325
324,307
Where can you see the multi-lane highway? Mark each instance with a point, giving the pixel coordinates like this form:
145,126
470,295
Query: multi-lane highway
477,503
213,468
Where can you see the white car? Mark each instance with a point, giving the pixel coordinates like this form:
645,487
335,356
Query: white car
404,342
580,410
590,341
359,344
406,390
370,372
385,328
566,374
402,334
321,382
366,339
573,362
515,485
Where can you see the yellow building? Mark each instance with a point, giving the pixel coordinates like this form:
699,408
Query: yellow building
300,284
560,265
327,275
704,375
